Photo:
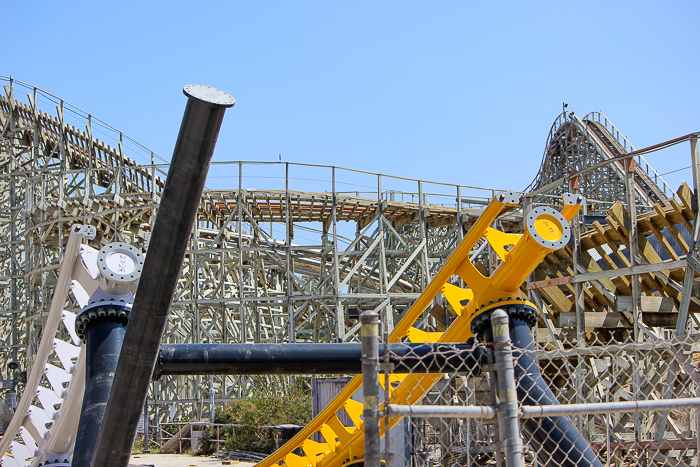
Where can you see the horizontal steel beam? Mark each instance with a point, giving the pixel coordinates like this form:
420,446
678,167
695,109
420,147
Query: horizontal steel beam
289,359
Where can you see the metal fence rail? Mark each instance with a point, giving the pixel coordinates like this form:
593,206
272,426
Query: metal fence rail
627,404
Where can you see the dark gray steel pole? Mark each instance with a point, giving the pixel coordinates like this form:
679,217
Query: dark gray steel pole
180,199
103,343
370,386
555,438
308,359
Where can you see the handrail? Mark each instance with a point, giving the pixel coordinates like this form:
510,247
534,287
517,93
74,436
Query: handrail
75,132
612,129
652,176
647,150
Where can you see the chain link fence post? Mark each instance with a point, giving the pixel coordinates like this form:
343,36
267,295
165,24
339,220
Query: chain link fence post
507,409
370,386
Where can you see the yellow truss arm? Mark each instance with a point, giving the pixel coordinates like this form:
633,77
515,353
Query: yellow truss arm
545,231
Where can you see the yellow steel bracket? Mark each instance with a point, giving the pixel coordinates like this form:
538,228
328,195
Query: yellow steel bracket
457,297
546,230
501,242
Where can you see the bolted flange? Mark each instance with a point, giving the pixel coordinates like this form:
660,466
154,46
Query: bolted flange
120,267
88,316
520,309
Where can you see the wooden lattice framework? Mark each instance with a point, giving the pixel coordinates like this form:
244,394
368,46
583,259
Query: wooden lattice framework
241,282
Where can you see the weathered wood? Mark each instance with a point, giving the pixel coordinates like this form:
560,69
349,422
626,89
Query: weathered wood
665,304
617,320
666,445
544,336
642,269
554,295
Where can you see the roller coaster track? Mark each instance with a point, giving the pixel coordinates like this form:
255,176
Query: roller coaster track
80,152
73,178
54,175
63,175
610,137
48,431
573,144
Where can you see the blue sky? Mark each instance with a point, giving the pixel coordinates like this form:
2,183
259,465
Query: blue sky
456,92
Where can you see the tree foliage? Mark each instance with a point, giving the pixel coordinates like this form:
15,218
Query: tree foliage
276,400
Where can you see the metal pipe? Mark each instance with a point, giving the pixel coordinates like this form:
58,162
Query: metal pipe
370,386
101,325
307,359
507,411
554,437
103,343
179,202
608,407
538,411
440,411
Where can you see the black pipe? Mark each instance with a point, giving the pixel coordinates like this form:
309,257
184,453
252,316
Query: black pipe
308,359
103,342
557,438
171,231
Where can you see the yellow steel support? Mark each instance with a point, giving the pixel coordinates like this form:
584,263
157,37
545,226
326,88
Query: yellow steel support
546,230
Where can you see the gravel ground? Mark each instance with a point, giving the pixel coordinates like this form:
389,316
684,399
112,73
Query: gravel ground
180,460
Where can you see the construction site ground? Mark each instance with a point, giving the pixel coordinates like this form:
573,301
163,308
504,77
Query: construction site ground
181,460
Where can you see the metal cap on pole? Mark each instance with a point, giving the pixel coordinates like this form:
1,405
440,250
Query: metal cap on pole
183,188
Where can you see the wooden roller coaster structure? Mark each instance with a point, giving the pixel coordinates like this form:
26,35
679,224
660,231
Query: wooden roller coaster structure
240,283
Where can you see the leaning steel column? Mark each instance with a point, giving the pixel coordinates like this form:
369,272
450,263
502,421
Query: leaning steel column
179,202
370,386
510,437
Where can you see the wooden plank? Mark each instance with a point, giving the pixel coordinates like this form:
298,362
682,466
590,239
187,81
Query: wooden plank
664,304
544,335
557,298
595,320
550,283
642,269
617,320
665,445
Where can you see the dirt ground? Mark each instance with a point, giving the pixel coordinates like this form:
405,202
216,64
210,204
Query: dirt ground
180,460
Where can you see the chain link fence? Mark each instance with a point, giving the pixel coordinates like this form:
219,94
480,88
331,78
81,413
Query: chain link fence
510,403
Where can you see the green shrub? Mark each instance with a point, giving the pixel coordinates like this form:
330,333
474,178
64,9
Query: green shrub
276,400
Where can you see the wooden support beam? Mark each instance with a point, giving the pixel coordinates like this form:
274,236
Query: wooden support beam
666,445
617,320
641,269
655,304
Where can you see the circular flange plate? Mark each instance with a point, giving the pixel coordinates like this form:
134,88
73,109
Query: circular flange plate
208,94
548,227
120,262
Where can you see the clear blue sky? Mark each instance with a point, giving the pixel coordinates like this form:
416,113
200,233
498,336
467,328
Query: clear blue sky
457,92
